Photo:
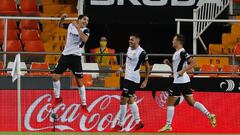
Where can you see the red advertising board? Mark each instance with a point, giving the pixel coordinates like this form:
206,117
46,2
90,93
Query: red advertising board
104,105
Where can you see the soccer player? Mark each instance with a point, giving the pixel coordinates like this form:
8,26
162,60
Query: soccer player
77,36
181,83
136,56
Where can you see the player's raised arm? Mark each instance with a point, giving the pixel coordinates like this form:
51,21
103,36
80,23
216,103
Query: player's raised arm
60,23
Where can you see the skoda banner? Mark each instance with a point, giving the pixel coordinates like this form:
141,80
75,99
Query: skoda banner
142,11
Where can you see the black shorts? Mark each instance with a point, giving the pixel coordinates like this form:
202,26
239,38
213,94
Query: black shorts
71,62
129,88
180,89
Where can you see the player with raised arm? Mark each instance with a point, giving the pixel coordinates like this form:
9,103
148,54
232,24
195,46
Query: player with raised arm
77,36
181,63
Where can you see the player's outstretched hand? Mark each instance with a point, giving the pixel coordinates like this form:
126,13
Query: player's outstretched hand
166,61
64,15
118,72
144,84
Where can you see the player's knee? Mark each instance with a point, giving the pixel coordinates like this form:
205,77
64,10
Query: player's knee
190,104
55,77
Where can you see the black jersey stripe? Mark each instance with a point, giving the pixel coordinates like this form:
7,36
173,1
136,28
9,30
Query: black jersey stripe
141,58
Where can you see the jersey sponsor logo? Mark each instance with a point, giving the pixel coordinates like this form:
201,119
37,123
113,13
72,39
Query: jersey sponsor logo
185,3
229,84
74,35
78,73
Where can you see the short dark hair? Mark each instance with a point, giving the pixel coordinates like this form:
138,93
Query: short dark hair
81,16
136,35
180,38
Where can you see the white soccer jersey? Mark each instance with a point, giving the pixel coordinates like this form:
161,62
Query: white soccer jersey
179,60
74,44
134,60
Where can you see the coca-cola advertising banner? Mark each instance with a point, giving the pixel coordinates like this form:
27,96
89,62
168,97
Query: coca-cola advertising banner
104,110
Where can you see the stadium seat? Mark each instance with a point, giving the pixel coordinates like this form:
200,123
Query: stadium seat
22,64
229,39
163,68
11,35
229,68
216,49
29,7
237,49
235,29
3,73
29,24
8,7
91,66
208,68
39,66
11,24
29,35
34,46
14,46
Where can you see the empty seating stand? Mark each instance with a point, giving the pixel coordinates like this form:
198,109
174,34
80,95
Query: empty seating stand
8,7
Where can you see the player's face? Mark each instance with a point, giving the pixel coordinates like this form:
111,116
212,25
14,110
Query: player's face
175,42
133,41
84,21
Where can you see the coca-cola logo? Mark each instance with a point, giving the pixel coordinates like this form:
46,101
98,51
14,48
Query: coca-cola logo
103,115
161,99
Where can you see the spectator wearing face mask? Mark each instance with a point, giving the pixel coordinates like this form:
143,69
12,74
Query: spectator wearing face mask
103,49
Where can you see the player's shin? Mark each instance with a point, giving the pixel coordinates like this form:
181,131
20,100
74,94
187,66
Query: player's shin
170,114
82,91
135,112
56,88
123,111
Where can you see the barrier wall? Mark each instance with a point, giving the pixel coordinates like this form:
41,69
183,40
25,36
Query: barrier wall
104,105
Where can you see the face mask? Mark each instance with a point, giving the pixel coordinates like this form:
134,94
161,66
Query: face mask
103,43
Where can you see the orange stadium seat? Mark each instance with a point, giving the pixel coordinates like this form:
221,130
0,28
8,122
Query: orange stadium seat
29,24
29,7
237,49
208,68
34,46
39,66
8,7
229,68
11,24
11,35
14,46
29,35
3,73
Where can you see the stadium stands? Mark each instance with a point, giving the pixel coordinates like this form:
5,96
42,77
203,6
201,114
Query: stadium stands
29,24
208,68
29,7
8,7
230,69
34,46
39,66
14,46
11,24
29,35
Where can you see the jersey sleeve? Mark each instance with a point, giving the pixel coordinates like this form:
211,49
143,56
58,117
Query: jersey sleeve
185,56
144,56
87,32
